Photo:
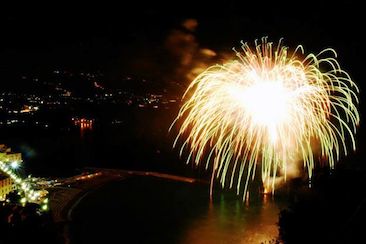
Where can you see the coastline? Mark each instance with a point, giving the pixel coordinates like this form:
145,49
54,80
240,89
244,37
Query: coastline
152,205
119,174
64,199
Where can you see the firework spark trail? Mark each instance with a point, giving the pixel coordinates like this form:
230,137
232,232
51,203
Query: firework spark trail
267,109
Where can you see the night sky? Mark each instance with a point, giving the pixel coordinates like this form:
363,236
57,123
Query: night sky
133,37
162,41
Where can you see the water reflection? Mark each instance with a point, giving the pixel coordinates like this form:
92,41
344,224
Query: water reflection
154,210
228,220
84,124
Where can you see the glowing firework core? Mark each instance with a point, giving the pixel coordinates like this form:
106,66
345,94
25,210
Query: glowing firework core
268,108
266,103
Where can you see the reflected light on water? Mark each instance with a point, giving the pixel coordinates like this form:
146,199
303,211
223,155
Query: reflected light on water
230,221
83,124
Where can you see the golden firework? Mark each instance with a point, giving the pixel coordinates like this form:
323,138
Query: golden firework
268,108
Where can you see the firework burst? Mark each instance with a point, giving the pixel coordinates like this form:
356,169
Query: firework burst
268,108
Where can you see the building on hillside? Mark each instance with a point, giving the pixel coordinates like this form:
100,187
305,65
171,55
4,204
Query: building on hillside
6,186
7,156
12,160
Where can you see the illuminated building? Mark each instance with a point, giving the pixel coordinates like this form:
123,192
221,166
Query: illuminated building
13,160
9,163
6,186
9,157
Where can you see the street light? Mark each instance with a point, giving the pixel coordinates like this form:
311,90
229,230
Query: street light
14,165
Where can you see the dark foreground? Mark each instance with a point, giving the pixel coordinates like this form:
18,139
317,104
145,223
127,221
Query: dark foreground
154,210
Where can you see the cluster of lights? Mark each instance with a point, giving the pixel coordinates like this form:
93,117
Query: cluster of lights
30,194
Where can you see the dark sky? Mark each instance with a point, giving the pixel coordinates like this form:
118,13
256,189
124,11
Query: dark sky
130,36
146,38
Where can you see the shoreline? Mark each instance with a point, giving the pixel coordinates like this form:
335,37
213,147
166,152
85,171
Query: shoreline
64,199
208,215
120,174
